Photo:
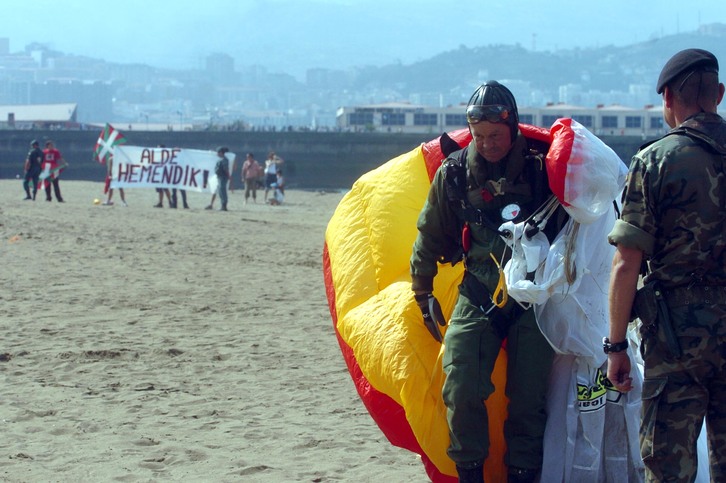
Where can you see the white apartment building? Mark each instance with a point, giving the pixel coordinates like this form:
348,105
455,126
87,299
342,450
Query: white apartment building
409,118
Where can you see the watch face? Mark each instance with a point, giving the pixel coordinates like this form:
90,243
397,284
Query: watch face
510,212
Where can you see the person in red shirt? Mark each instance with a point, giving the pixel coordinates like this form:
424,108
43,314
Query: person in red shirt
52,157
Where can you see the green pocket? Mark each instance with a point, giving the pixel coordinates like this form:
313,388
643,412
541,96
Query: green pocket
653,439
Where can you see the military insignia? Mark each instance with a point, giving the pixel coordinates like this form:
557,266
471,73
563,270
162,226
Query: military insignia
511,211
496,187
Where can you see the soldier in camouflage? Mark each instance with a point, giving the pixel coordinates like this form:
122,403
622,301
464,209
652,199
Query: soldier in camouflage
673,215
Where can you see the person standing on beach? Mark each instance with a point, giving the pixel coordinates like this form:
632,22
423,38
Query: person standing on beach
221,169
224,150
250,173
270,172
53,158
108,189
672,223
32,168
174,199
498,177
163,192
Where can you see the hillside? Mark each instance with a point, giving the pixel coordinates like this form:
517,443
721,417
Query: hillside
606,68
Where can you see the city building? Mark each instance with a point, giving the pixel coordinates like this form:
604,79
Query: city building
39,116
411,118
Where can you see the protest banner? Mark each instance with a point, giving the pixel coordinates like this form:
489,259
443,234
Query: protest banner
187,169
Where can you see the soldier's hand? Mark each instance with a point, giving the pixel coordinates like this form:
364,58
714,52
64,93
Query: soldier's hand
619,371
433,317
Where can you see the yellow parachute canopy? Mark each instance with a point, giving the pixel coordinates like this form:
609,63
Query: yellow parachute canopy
393,360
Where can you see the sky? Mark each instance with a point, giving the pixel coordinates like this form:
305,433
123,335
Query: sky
292,36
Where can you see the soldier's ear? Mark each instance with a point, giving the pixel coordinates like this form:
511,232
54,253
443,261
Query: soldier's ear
720,93
668,97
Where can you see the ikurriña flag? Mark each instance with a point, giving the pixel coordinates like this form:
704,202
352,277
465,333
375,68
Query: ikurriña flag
107,140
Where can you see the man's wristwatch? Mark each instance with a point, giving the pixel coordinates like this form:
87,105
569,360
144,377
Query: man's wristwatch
608,347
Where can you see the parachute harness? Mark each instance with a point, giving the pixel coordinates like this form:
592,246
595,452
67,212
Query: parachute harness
500,295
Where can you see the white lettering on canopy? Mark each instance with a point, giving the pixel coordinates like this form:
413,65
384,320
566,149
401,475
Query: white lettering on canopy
187,169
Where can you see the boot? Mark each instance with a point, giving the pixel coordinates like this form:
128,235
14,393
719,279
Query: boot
522,475
470,475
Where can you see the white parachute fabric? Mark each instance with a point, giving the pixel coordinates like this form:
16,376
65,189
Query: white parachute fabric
585,174
599,426
528,253
574,317
569,291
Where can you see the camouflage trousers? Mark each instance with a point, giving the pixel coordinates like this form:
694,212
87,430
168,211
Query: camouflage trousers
677,395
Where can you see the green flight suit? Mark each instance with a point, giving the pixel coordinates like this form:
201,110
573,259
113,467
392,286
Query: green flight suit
473,338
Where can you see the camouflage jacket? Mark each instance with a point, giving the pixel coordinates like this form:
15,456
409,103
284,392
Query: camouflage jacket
674,204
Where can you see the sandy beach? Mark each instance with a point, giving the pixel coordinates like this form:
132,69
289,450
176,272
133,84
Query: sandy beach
147,344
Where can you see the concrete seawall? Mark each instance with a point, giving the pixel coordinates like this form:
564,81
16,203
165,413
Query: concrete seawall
313,160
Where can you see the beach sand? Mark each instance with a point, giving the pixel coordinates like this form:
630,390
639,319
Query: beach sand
146,344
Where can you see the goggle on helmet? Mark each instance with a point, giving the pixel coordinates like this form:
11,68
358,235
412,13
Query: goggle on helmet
493,102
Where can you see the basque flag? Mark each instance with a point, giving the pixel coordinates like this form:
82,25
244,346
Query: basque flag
108,139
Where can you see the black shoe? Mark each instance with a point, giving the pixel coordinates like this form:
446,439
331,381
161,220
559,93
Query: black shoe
471,475
28,197
60,200
186,206
48,199
522,475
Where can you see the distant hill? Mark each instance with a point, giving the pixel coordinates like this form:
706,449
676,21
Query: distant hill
605,68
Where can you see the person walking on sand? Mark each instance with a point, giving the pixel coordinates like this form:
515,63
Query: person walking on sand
32,168
500,169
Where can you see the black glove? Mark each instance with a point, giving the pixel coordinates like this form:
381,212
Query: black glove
432,314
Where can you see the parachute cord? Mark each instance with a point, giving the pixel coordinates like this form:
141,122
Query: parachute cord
551,207
570,266
541,215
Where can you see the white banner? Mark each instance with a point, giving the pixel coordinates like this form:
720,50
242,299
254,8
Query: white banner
187,169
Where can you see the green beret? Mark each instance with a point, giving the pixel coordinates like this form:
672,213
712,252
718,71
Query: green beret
684,61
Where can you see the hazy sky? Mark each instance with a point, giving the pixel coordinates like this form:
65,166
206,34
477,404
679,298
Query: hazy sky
293,35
